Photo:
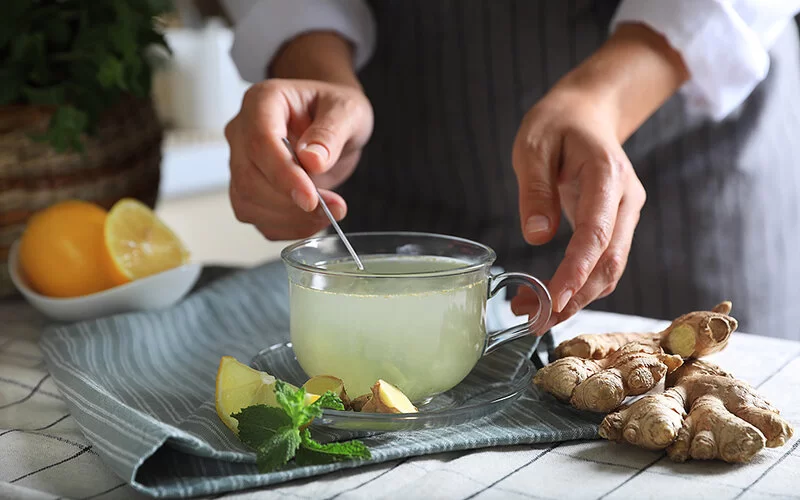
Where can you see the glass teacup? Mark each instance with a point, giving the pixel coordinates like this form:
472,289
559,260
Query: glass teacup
414,317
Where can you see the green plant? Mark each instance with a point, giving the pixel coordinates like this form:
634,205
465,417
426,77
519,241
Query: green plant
79,57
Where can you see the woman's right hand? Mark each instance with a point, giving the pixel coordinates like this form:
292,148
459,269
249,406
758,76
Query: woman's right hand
327,124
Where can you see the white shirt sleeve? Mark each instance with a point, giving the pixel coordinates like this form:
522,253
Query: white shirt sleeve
724,43
262,27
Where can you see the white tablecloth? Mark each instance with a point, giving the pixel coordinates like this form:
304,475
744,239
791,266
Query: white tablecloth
44,455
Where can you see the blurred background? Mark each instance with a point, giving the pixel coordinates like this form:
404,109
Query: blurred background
193,194
101,101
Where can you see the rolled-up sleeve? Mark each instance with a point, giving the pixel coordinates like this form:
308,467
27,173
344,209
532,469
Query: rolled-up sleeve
262,27
724,44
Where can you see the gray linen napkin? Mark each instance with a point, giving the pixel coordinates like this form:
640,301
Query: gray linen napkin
141,387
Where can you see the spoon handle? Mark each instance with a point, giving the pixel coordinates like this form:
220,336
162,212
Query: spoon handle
327,211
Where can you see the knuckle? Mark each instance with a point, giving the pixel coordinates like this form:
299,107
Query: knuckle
253,93
607,290
536,147
612,166
539,189
239,210
260,89
228,130
639,194
350,105
612,267
598,234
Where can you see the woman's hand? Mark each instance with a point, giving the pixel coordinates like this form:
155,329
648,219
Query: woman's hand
327,118
568,157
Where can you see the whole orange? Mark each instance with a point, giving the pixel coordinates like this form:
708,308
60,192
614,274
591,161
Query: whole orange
62,252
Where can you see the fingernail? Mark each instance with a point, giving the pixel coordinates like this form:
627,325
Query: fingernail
318,150
301,201
563,300
537,224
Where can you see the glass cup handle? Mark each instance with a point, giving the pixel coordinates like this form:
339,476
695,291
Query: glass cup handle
535,324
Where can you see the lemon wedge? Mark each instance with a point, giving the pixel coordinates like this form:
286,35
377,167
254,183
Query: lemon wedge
139,243
239,386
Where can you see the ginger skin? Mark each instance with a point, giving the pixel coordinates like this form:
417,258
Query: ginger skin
387,398
704,414
691,335
602,385
358,403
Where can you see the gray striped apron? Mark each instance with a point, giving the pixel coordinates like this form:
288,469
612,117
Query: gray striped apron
450,81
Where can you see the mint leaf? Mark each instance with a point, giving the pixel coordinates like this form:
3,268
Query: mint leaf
330,401
312,452
274,432
259,423
293,403
278,449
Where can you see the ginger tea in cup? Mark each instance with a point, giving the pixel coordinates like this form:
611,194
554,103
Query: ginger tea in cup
415,316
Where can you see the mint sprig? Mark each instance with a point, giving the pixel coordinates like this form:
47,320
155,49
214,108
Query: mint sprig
279,434
313,453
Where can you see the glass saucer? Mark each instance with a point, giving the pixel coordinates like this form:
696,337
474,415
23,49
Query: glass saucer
496,381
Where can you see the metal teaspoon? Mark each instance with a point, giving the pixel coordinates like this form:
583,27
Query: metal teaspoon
327,211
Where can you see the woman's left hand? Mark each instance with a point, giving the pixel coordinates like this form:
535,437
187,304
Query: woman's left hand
568,157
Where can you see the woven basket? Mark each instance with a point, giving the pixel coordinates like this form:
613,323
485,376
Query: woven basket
122,160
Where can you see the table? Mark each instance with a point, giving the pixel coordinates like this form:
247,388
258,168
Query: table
44,455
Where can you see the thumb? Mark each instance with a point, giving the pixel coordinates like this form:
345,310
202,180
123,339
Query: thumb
539,205
322,142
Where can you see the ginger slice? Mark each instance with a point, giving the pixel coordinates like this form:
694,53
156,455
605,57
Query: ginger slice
705,414
691,335
387,398
602,385
358,403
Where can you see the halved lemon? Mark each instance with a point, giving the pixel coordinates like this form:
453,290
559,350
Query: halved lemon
138,243
240,386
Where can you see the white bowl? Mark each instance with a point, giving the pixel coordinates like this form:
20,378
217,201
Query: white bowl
153,292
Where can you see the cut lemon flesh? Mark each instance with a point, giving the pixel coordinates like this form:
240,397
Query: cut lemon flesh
240,386
138,243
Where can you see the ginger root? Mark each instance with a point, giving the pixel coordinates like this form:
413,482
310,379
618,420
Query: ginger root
704,414
358,403
691,335
387,398
602,385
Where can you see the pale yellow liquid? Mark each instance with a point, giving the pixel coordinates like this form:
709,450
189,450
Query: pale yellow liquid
423,335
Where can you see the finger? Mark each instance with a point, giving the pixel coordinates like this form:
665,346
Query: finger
536,162
595,218
269,115
320,146
276,226
612,264
525,301
257,202
251,185
524,305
